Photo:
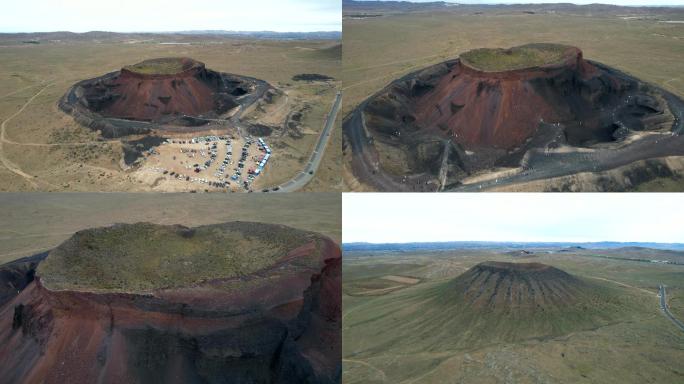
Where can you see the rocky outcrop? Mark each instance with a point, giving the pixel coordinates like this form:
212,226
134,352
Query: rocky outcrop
280,324
16,275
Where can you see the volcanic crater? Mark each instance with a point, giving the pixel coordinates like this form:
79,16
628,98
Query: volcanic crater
494,302
503,286
507,108
503,301
235,302
158,93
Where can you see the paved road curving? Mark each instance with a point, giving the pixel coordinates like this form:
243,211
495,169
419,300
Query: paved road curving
666,310
305,176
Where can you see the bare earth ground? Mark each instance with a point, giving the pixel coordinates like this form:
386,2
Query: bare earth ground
42,148
36,222
180,159
647,347
378,50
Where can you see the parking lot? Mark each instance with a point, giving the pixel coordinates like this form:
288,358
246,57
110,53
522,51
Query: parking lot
219,162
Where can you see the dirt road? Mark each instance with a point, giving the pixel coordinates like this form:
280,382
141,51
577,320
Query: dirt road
3,140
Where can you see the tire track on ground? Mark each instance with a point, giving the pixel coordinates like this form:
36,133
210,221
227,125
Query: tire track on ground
382,373
20,90
3,158
623,284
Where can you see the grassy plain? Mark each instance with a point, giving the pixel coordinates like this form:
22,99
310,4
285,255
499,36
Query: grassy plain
34,223
42,148
377,50
390,337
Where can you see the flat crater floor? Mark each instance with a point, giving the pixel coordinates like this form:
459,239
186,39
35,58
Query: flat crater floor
524,56
144,257
162,66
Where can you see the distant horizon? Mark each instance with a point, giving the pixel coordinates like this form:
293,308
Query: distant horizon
188,32
400,218
516,242
624,3
159,16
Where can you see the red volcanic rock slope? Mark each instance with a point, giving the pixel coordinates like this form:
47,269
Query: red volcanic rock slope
279,325
151,98
149,91
497,109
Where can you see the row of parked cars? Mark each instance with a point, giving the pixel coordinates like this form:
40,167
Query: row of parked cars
211,155
241,164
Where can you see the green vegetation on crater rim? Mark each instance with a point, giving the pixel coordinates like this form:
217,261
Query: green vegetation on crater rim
162,66
144,257
524,56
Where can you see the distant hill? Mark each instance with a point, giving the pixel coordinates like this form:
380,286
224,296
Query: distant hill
350,7
406,247
321,35
334,52
390,5
184,36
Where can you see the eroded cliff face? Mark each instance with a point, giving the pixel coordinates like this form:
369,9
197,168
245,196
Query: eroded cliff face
17,275
278,325
498,116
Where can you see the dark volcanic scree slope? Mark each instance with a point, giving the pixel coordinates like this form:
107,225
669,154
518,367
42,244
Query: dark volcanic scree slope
525,107
141,303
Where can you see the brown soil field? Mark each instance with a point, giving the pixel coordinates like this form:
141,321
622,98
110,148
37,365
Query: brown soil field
173,166
401,279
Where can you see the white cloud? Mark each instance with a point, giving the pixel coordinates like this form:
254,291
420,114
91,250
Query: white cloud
171,15
512,217
616,2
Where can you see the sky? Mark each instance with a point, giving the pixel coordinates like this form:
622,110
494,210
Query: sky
170,15
584,217
617,2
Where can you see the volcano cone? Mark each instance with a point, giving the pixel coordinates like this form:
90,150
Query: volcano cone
492,302
173,91
138,303
540,110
